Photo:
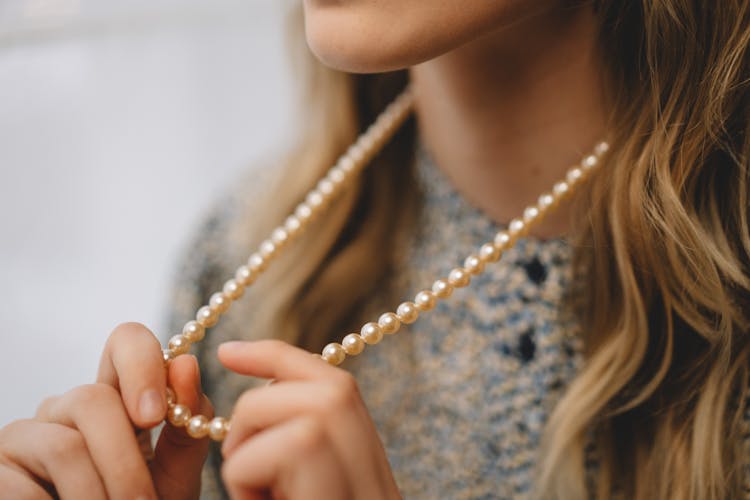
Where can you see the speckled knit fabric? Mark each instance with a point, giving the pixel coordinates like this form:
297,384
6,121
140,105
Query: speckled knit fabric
460,398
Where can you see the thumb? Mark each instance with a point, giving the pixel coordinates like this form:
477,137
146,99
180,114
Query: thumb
178,458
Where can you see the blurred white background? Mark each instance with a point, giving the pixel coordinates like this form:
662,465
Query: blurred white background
119,121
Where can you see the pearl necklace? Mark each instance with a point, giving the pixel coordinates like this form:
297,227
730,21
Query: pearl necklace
317,200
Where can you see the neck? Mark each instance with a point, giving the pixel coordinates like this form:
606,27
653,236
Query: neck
506,115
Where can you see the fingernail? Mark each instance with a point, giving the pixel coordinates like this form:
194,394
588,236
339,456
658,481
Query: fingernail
151,405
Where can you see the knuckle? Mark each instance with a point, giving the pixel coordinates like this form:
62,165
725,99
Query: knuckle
43,409
342,393
243,404
346,382
310,436
66,444
15,428
92,394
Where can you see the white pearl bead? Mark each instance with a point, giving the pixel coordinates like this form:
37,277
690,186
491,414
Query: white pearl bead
334,354
374,130
303,212
244,276
193,331
530,214
459,278
574,175
178,415
315,199
546,200
353,344
267,250
337,176
218,428
256,263
179,344
292,225
560,188
425,300
442,289
502,240
356,153
377,128
219,302
206,317
516,227
601,148
368,138
346,163
233,289
489,253
589,162
371,333
387,120
171,397
389,323
473,264
407,312
279,237
326,187
167,355
397,116
197,427
362,145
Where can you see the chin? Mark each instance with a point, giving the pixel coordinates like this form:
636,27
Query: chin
370,36
356,47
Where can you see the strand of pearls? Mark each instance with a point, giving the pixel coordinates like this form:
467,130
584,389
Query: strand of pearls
316,201
408,311
349,165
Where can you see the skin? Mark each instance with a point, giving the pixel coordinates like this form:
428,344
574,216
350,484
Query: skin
509,95
66,447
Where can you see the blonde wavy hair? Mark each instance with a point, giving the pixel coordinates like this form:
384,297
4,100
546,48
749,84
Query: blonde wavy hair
662,249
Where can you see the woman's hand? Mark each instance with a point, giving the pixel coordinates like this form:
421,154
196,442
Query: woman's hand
84,444
308,435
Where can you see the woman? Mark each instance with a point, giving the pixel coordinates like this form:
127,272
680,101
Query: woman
606,355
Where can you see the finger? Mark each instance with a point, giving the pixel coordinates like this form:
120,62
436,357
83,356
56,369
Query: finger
98,413
264,407
53,454
291,459
17,485
132,362
178,458
273,359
